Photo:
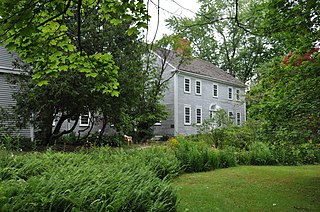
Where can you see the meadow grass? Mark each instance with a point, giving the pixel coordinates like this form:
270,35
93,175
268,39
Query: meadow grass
251,188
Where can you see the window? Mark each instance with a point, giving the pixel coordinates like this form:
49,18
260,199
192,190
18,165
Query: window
213,110
84,120
187,85
198,115
238,94
187,115
230,93
198,87
230,116
55,120
215,90
158,123
238,118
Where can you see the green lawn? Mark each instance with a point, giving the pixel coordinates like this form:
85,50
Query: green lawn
251,188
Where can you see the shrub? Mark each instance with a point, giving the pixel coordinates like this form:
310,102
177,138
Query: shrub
197,156
227,157
161,160
260,154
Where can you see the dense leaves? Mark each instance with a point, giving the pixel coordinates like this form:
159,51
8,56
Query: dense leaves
287,99
293,23
217,36
38,31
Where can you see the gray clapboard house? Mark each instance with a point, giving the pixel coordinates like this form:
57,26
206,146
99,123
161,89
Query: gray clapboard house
6,100
196,90
7,89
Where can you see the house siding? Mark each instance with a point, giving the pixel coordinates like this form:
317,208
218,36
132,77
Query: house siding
6,101
167,126
6,59
205,100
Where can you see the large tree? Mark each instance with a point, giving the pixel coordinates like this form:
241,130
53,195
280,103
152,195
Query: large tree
223,32
285,97
70,47
37,30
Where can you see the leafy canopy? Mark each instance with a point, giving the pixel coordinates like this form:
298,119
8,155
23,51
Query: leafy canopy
37,31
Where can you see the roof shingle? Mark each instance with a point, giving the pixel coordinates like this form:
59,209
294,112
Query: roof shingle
198,66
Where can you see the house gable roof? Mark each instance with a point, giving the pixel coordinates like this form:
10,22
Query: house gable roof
198,66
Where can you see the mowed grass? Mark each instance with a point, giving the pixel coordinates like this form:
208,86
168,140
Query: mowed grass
251,188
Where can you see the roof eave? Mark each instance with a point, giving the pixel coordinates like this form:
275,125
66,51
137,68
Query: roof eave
212,78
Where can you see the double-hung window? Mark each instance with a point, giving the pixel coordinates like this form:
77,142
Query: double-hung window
230,93
198,115
187,115
238,118
238,94
198,88
230,116
215,90
187,83
84,120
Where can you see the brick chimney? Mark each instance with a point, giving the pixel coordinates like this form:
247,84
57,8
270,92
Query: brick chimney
181,44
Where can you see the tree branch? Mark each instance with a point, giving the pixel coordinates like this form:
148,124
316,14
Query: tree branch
79,25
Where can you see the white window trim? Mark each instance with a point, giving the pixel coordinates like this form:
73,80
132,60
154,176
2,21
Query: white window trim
231,93
213,90
184,84
184,114
195,87
196,115
82,124
55,120
238,123
157,123
238,94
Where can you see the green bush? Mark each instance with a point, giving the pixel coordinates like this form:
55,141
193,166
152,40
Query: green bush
99,181
197,156
260,154
161,160
227,157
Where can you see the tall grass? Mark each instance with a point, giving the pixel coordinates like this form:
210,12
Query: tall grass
83,182
197,156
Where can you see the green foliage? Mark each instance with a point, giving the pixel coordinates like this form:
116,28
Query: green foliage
162,161
10,142
197,157
100,180
286,101
260,154
38,32
217,37
294,23
6,114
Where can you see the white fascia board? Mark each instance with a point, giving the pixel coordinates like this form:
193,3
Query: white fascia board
7,70
210,78
172,66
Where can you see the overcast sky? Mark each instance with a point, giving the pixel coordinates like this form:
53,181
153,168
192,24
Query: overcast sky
168,8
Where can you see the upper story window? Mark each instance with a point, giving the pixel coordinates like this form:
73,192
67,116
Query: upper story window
215,90
238,94
230,93
187,85
238,118
187,115
84,120
198,88
198,115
